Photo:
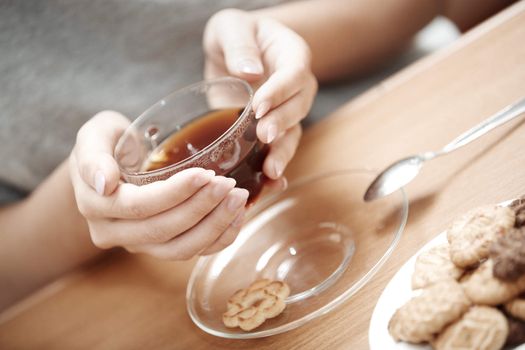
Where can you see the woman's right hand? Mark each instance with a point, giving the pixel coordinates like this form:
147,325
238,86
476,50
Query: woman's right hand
191,213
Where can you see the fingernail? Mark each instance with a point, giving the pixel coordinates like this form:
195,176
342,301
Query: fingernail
210,172
271,134
278,168
220,189
263,108
250,66
284,183
202,179
231,182
237,199
239,219
100,182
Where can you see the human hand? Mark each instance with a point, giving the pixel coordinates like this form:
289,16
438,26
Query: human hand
277,61
193,212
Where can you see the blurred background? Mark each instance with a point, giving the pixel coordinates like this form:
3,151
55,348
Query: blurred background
437,34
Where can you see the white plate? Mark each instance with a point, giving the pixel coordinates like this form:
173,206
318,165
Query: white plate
396,293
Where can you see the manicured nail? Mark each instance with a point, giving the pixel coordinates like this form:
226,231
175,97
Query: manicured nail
250,66
100,182
220,189
231,182
263,108
278,168
271,134
202,179
239,219
284,183
237,199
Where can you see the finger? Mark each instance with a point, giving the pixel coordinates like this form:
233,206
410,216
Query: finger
226,238
284,117
287,47
277,185
163,227
203,235
94,147
281,152
235,34
130,201
280,86
290,64
214,69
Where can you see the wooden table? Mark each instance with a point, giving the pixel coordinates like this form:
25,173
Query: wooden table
131,302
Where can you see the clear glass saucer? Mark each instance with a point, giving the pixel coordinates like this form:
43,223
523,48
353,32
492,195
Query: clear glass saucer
318,236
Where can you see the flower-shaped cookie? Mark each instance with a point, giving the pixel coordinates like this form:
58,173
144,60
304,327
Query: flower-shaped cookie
249,308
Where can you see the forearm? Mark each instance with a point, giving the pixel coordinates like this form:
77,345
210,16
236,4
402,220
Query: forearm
351,37
42,237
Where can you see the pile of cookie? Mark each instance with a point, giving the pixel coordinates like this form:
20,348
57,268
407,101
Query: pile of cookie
471,290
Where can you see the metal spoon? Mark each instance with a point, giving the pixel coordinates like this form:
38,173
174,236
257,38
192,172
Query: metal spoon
405,170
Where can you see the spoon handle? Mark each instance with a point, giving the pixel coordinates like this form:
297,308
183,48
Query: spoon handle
508,113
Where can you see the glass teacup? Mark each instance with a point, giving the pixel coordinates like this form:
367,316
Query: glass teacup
209,124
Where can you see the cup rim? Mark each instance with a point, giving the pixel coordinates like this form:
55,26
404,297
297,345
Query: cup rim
160,103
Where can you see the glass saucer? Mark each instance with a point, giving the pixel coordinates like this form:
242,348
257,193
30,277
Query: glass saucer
318,236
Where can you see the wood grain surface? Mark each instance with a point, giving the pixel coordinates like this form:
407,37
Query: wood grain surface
136,302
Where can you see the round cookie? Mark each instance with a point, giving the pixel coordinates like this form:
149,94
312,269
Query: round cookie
425,315
471,234
480,328
481,287
519,209
434,265
516,307
516,332
508,254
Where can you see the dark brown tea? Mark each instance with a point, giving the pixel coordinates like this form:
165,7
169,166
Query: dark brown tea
200,133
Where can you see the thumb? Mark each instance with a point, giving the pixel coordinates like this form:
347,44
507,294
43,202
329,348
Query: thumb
94,148
236,33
